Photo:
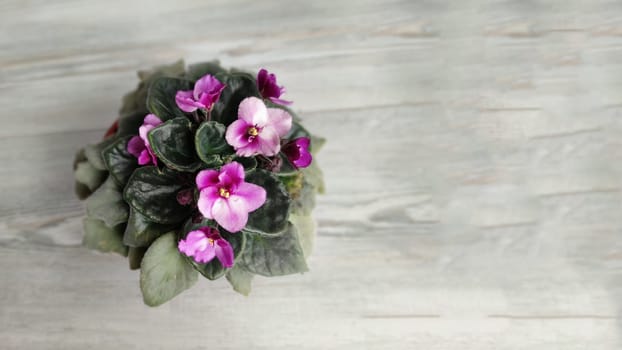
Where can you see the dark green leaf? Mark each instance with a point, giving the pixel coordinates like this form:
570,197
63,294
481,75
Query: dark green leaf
238,87
81,190
100,237
153,193
94,152
274,255
135,256
107,204
119,161
88,175
161,97
173,144
198,70
164,271
129,123
140,232
240,279
249,163
210,140
270,218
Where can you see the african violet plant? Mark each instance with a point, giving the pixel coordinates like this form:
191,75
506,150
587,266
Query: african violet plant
207,172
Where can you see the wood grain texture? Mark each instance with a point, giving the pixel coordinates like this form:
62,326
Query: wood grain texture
474,173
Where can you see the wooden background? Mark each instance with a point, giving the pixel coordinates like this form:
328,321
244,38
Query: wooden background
474,173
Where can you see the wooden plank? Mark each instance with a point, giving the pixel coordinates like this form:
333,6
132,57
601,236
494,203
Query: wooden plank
473,173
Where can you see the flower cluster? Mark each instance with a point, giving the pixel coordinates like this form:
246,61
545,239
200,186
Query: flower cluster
205,170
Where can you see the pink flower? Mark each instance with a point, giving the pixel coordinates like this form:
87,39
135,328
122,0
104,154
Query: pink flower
206,243
258,129
206,92
297,151
138,146
226,198
266,83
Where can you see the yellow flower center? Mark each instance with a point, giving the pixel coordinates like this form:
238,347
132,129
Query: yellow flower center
210,241
252,131
224,193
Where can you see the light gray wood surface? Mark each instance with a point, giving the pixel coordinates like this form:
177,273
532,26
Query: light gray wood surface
474,173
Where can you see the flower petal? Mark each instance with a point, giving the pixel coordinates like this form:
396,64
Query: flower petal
232,213
253,111
206,255
224,252
253,195
231,174
145,157
135,146
186,102
237,134
207,84
279,101
152,119
195,240
269,141
207,198
206,178
280,120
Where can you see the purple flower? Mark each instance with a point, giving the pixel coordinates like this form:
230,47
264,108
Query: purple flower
266,83
206,243
258,129
226,198
297,151
206,92
138,146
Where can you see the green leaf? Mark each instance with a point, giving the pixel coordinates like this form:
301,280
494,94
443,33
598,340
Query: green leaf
164,272
314,176
161,97
173,144
317,143
305,226
119,161
238,87
270,218
135,256
274,255
249,163
198,70
81,190
210,141
130,122
140,232
107,204
94,152
240,279
99,236
153,193
88,175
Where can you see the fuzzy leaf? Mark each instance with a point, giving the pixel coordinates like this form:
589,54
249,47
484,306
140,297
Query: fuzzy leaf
153,193
94,152
89,176
164,272
119,162
140,232
240,279
100,237
173,144
107,204
238,87
274,255
198,70
161,97
270,218
210,141
305,226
